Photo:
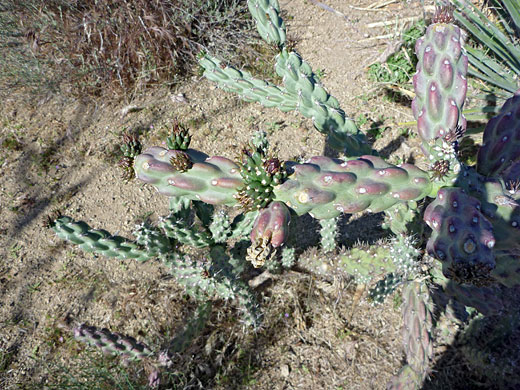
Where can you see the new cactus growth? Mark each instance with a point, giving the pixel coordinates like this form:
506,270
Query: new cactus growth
473,213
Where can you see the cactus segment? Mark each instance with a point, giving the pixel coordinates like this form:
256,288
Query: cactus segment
102,242
130,148
326,188
501,141
213,180
323,187
384,288
462,238
417,327
112,343
328,232
404,218
177,227
302,93
406,379
249,88
502,211
288,257
179,138
269,24
260,174
440,82
314,102
367,263
490,346
220,227
243,224
226,271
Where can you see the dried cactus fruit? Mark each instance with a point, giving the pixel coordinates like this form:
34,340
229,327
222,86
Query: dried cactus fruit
180,161
462,238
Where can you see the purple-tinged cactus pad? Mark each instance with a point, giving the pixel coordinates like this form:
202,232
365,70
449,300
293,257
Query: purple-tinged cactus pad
501,141
440,82
213,180
462,238
326,187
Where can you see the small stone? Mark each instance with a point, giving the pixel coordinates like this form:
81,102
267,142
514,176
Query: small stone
284,370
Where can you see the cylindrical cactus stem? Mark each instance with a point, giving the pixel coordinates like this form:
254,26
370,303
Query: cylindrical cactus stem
417,327
112,343
328,233
102,242
288,257
213,180
179,137
384,287
326,188
269,232
323,187
178,228
269,24
462,238
501,141
243,224
220,227
440,82
501,210
302,93
365,263
404,218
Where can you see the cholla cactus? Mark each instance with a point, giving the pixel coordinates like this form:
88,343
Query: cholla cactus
474,216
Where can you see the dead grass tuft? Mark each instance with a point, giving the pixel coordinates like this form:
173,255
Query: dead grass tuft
116,45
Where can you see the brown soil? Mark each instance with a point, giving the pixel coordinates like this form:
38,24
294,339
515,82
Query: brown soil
65,160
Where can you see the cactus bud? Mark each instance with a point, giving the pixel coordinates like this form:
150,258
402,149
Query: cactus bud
179,139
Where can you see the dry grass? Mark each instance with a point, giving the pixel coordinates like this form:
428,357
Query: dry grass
115,46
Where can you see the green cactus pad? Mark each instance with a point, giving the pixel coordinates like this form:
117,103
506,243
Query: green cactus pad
103,243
